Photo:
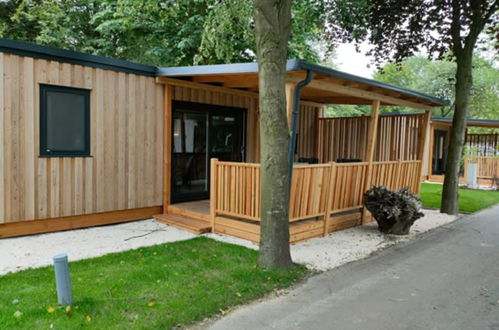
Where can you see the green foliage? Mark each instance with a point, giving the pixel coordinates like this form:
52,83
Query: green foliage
166,33
341,110
159,287
437,78
469,200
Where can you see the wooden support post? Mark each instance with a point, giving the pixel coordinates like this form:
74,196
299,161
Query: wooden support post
371,143
290,94
167,147
430,152
330,198
213,192
422,145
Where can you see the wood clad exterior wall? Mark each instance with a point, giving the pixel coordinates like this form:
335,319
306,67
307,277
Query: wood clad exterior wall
125,170
398,137
307,130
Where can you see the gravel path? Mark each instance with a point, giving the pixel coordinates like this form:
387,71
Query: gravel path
319,253
338,248
37,250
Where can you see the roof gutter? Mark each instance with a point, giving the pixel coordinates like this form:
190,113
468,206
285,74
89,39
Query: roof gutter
294,121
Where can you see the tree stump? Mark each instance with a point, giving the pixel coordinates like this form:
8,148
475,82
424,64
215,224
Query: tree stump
394,211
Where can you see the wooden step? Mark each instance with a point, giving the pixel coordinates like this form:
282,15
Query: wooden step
195,226
172,209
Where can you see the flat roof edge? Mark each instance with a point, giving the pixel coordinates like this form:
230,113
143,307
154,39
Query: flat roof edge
347,76
23,48
291,65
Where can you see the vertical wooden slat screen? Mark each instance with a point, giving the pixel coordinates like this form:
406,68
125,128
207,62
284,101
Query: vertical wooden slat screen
307,130
346,137
482,144
125,170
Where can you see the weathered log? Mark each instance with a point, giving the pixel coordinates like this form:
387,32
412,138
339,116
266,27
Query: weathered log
394,211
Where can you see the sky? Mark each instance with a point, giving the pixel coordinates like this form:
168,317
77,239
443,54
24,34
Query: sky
348,60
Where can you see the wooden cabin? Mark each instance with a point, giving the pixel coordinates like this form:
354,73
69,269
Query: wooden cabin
87,140
480,148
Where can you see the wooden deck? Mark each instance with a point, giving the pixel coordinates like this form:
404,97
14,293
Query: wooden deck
191,216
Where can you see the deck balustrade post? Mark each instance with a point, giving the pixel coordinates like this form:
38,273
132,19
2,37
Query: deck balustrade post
422,145
167,140
330,197
371,143
213,192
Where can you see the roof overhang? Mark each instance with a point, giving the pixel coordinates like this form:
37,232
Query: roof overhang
471,122
328,86
23,48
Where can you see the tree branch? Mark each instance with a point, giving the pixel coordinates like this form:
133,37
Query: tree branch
455,28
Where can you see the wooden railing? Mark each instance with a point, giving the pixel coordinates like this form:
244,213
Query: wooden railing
309,191
235,189
316,190
488,167
397,174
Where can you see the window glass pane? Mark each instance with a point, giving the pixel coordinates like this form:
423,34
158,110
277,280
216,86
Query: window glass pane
65,121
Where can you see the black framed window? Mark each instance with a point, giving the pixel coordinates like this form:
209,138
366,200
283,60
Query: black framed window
64,121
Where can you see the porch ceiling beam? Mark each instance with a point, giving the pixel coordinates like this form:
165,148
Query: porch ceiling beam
343,100
222,78
190,84
364,94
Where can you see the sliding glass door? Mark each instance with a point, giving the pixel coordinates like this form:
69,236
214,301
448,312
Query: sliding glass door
201,132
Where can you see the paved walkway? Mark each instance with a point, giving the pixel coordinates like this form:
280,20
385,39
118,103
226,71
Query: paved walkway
449,279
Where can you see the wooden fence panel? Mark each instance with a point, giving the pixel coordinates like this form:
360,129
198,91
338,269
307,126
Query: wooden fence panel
308,196
397,175
398,137
347,186
488,167
237,190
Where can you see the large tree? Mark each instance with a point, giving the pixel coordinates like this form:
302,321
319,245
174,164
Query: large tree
273,26
157,32
438,77
398,29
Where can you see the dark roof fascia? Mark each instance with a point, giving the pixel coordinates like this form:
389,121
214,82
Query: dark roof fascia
469,120
291,65
302,65
62,55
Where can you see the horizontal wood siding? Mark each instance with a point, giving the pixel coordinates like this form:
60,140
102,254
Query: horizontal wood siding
125,170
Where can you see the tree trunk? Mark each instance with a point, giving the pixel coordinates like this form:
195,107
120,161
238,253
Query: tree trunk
273,23
464,81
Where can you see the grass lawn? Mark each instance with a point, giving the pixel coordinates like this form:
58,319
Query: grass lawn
160,287
469,200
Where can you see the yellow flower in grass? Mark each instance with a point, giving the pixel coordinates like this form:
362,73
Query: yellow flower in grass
50,309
